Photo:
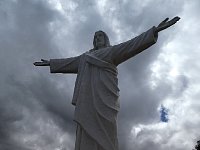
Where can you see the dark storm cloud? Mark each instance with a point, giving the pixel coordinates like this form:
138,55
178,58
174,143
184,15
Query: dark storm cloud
25,37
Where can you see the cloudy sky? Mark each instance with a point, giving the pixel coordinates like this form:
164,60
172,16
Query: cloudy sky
160,88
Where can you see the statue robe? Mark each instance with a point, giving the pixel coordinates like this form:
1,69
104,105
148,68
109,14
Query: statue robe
96,90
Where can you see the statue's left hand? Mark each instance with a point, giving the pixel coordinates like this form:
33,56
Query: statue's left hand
165,23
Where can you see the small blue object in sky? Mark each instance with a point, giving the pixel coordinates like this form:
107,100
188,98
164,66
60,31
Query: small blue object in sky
164,114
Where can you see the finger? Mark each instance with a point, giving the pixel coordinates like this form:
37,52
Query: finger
43,60
163,22
166,19
37,63
40,64
177,18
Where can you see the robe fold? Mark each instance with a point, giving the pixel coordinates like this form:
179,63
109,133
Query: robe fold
96,92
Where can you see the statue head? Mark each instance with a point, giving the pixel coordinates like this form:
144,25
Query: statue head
100,40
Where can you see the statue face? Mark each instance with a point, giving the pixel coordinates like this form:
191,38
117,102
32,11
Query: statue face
99,39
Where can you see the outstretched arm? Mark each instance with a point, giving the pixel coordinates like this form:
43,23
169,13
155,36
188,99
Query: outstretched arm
122,52
66,65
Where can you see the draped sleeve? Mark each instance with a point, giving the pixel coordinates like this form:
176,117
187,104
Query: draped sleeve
66,65
122,52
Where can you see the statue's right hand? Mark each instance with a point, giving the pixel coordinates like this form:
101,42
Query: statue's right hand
42,63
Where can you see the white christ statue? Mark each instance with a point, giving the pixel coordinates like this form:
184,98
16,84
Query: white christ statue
96,89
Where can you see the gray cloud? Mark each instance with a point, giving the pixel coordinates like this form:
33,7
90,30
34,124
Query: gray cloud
25,93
